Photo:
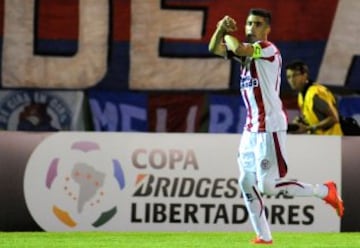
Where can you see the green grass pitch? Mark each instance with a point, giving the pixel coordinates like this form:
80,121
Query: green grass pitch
171,240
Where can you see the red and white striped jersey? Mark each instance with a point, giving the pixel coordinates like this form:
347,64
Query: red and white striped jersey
260,88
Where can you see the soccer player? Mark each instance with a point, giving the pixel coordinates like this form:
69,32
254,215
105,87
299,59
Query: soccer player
319,114
261,157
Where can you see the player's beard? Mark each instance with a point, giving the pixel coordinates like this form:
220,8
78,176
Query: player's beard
250,38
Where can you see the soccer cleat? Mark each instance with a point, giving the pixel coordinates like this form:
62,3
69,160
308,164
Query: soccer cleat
334,199
259,241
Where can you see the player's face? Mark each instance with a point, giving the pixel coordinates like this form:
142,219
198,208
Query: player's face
296,79
256,28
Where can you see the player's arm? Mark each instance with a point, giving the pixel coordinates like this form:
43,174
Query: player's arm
216,44
242,49
322,108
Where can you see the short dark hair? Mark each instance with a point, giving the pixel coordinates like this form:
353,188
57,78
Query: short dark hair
266,14
298,65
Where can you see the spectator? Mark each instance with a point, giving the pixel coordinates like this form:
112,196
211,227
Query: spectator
319,114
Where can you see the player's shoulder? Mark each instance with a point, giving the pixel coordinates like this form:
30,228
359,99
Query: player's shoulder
268,47
265,44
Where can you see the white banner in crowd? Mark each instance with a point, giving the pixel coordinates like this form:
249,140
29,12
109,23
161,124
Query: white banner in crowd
337,60
22,68
167,182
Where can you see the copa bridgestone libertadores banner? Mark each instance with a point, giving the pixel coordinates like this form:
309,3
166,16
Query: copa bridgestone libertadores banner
77,181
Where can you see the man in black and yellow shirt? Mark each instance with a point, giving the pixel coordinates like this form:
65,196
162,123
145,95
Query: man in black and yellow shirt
319,114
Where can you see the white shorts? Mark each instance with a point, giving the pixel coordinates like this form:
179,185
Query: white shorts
264,154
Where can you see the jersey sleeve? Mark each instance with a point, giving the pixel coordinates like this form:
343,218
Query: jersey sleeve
263,49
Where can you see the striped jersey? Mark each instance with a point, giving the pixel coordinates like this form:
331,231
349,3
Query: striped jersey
260,82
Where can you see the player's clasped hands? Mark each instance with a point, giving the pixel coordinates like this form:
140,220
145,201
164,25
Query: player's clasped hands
227,24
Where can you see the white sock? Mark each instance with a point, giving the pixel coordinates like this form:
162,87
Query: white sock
259,223
321,190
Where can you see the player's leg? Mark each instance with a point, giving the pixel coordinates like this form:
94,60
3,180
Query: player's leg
325,191
271,174
248,185
272,169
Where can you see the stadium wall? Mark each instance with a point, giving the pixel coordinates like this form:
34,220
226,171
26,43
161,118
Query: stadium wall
80,181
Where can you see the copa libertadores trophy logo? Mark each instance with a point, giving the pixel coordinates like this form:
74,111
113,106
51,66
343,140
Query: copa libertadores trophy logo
73,185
